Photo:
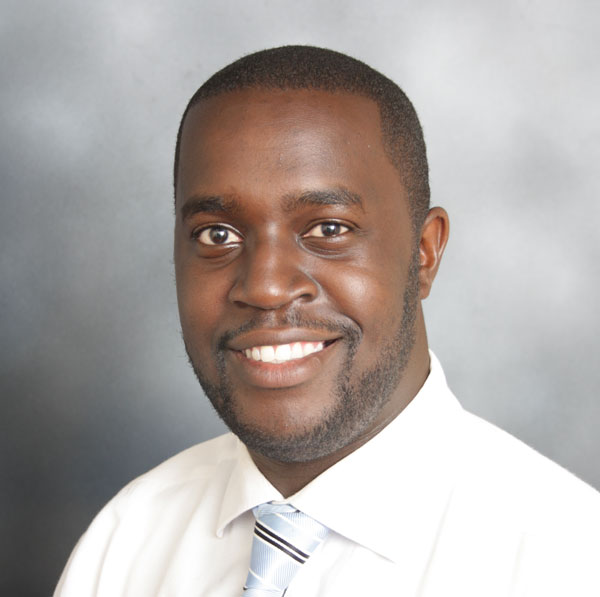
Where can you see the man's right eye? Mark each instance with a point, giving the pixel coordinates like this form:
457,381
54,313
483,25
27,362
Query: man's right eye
215,236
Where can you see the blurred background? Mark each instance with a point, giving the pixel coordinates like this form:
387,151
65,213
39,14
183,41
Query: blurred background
95,385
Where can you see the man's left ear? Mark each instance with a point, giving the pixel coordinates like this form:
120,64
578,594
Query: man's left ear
434,236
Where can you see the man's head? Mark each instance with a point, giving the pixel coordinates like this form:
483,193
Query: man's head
310,68
301,251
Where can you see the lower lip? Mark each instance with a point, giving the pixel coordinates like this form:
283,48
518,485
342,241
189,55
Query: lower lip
280,375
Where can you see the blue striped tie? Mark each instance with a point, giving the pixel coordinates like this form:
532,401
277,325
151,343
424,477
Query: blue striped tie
284,538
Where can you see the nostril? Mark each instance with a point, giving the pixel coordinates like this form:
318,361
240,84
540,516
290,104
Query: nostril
273,283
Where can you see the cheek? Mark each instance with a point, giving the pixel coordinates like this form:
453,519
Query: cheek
371,297
201,299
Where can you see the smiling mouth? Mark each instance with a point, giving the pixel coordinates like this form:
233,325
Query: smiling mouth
284,353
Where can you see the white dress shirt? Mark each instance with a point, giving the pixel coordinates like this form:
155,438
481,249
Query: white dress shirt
438,504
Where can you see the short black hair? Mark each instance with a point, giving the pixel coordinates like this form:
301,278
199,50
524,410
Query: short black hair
309,67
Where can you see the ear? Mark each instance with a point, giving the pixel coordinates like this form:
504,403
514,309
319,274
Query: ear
434,236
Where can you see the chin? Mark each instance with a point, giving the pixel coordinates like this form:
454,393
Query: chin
298,437
301,437
301,446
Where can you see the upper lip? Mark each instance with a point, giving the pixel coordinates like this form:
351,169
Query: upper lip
276,336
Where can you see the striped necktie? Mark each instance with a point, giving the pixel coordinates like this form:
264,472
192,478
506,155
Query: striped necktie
284,538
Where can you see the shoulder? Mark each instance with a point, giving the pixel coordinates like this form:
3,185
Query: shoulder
196,475
502,473
147,515
513,520
554,515
200,465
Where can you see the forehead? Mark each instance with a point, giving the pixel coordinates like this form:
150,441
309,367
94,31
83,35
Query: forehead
274,140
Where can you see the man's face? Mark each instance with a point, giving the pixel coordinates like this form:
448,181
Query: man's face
296,267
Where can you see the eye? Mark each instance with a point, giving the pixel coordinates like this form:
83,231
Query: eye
327,230
217,235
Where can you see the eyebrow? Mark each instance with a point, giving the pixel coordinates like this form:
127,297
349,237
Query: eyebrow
291,202
208,204
338,196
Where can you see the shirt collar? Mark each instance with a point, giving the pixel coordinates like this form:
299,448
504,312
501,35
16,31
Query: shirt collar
247,487
390,494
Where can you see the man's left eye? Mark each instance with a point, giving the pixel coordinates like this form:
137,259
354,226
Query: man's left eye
327,230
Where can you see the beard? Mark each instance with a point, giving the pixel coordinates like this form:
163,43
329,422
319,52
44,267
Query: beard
357,401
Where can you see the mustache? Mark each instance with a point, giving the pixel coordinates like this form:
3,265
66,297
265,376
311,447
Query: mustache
350,331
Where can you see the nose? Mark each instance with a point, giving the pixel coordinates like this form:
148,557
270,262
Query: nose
272,275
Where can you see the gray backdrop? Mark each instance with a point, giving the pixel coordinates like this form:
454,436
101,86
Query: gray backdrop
94,381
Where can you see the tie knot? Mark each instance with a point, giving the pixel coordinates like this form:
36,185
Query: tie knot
274,508
284,538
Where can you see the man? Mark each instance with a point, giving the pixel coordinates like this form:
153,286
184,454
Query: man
304,243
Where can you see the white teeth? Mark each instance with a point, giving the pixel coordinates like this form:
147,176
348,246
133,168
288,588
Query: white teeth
281,353
297,352
309,348
267,354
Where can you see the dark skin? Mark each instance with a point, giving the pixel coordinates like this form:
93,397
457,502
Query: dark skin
289,210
